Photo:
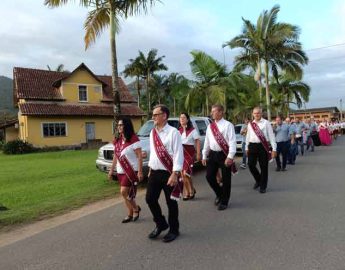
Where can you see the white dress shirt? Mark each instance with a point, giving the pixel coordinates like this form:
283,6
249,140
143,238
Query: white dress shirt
129,152
228,131
266,129
190,139
171,140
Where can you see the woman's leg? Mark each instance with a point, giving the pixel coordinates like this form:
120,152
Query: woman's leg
186,185
124,193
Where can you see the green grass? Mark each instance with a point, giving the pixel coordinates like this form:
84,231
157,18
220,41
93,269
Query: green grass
34,186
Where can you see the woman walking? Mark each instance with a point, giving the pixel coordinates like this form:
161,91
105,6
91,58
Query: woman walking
129,166
190,142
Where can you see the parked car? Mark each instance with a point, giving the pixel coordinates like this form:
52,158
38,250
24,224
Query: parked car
239,138
105,153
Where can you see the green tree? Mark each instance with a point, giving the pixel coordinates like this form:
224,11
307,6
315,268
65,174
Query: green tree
106,13
274,45
149,65
133,69
59,68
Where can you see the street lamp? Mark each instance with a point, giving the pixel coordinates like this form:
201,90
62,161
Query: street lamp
341,109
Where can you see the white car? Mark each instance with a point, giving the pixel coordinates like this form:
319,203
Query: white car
105,153
239,138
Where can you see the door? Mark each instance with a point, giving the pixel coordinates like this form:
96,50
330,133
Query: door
90,131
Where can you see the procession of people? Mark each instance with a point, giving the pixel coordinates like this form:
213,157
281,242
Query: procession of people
174,151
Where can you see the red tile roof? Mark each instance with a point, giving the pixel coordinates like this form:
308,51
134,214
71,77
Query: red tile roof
63,109
35,84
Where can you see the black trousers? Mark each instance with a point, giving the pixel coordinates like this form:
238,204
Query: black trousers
282,148
258,153
215,161
156,183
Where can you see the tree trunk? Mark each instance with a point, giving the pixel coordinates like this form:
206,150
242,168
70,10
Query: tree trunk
175,107
148,97
258,79
138,90
206,109
114,73
268,98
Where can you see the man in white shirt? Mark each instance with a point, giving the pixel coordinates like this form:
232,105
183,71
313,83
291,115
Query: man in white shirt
217,158
161,177
256,148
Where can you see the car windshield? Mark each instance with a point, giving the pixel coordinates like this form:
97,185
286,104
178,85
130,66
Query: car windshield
238,129
145,130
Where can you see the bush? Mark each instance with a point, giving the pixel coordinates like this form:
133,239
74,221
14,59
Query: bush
1,145
18,147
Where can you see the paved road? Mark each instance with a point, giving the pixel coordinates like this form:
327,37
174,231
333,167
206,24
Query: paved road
298,224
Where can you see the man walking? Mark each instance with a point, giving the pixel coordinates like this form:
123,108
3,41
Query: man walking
166,162
291,159
281,131
300,128
220,148
259,133
243,132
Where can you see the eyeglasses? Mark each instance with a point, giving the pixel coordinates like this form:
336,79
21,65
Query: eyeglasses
156,114
120,125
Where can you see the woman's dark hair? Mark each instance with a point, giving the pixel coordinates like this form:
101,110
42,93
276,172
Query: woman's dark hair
128,129
189,122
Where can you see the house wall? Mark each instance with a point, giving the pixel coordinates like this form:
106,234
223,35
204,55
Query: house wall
11,134
70,87
76,133
316,115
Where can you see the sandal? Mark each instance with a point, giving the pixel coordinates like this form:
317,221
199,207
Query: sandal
191,197
127,219
186,198
136,217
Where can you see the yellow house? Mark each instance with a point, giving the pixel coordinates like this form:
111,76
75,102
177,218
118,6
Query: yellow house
68,108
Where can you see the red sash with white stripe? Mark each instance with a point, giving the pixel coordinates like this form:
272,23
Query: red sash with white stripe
218,136
188,153
167,161
261,136
125,164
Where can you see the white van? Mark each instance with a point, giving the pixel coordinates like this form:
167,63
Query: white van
106,152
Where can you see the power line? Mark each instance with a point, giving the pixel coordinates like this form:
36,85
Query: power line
325,47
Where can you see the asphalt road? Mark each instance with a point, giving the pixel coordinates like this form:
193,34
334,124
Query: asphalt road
298,224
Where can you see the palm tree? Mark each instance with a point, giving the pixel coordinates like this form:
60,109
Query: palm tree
107,13
288,90
133,69
178,86
207,72
274,45
59,68
149,65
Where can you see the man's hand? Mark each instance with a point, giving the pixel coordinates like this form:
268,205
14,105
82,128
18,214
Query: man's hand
274,154
204,162
172,180
110,175
228,162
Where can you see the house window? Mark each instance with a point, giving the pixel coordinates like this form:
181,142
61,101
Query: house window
82,93
54,129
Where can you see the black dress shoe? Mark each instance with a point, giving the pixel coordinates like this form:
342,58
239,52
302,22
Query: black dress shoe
157,231
217,201
256,185
127,219
170,236
278,169
284,170
136,217
262,190
222,207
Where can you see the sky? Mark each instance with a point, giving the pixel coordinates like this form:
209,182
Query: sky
34,36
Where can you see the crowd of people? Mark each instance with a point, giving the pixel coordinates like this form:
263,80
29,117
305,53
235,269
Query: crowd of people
173,153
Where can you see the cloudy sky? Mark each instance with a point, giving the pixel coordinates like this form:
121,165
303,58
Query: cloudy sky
32,35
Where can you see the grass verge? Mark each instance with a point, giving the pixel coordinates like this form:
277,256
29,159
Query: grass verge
40,185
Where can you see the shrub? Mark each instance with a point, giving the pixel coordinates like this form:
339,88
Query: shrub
1,145
18,147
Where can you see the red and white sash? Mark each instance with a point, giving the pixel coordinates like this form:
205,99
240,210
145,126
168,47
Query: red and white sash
125,164
218,136
188,153
167,162
261,136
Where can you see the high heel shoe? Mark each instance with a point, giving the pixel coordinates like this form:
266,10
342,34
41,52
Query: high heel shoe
136,217
191,197
127,219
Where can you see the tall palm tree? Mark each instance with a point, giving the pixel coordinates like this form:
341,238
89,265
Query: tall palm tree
149,65
106,13
59,68
178,86
274,45
288,91
133,69
207,73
